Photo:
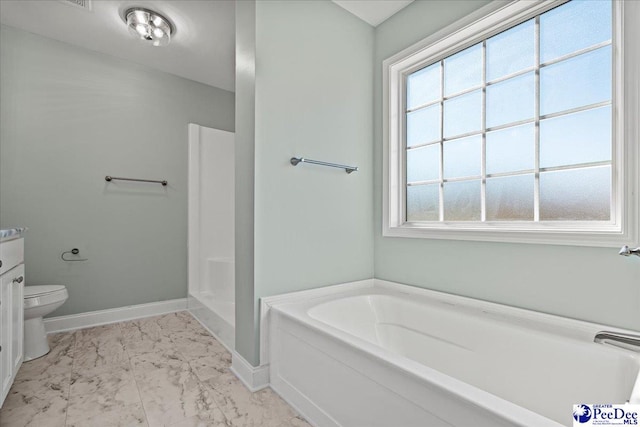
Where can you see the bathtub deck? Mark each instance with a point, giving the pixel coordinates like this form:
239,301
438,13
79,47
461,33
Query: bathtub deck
160,371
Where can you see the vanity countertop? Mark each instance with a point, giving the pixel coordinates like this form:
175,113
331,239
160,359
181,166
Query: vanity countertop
12,233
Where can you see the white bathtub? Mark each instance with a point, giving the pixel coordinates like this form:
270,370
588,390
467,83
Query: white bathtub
376,353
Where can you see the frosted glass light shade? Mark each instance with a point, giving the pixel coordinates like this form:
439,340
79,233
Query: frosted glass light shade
149,26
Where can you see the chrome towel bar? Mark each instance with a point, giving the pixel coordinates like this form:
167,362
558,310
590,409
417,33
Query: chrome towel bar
111,178
347,169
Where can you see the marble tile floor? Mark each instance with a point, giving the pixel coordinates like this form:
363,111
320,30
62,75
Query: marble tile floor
158,371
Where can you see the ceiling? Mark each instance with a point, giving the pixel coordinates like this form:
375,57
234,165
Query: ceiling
373,12
203,48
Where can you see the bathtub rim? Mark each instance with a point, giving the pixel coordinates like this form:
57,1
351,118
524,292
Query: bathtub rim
571,327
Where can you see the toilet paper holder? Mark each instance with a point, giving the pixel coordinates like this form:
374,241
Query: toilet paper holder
74,251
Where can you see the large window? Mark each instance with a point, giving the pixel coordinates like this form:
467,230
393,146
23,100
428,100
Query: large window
513,125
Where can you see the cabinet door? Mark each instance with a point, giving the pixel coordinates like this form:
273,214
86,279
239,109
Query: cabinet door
3,334
6,281
17,319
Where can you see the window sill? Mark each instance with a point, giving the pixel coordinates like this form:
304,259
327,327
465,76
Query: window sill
513,234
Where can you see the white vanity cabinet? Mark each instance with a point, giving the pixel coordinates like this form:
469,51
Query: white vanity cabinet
11,312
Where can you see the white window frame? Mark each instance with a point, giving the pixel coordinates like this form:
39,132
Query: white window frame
480,25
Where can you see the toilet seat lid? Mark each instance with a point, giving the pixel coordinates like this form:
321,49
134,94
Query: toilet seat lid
35,291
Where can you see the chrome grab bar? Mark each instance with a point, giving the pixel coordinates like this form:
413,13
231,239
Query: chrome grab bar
618,339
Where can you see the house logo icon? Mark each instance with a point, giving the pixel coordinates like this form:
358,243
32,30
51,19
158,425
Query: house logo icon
582,413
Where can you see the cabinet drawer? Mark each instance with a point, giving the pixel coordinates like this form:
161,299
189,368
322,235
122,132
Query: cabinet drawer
11,254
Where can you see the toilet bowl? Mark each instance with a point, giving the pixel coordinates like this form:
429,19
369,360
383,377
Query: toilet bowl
38,302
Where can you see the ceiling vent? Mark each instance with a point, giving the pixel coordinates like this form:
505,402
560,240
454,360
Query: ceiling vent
82,4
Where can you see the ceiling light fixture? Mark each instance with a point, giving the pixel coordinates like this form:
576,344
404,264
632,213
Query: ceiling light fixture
149,26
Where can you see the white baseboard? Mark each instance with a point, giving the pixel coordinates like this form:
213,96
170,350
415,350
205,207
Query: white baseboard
254,378
112,315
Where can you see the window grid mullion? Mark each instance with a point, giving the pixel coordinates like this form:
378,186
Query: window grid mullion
514,173
441,171
483,153
536,185
403,159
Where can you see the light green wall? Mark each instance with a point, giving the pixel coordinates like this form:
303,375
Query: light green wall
313,98
69,117
593,284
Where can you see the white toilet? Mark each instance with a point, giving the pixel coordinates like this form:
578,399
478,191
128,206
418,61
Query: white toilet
38,302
